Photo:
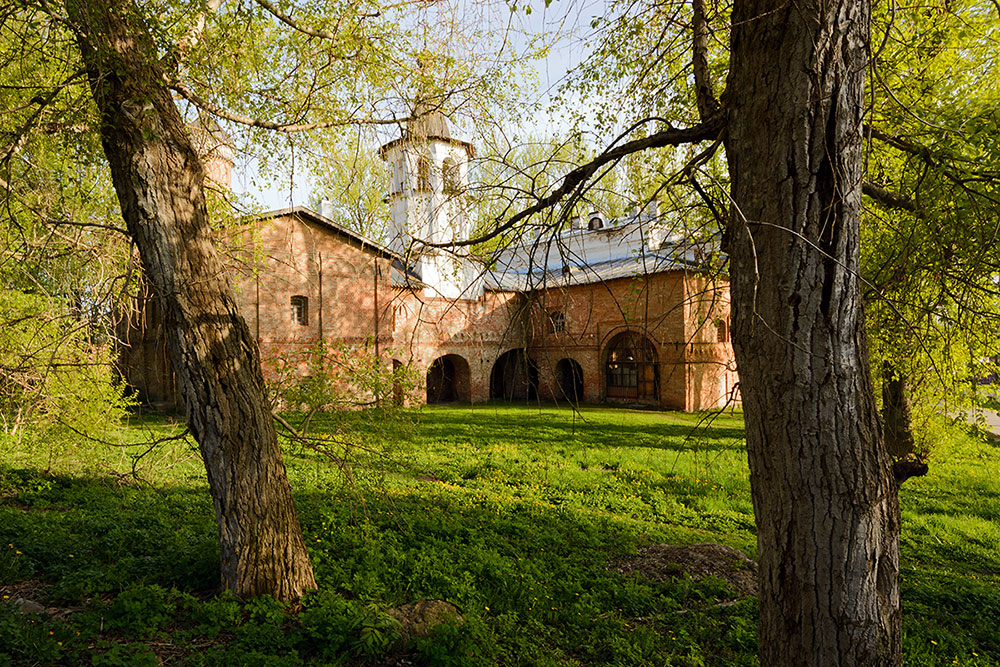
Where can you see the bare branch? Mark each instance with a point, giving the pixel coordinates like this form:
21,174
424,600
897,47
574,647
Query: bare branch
708,130
289,128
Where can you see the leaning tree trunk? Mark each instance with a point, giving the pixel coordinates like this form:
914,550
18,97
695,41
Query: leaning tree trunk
159,178
825,501
897,412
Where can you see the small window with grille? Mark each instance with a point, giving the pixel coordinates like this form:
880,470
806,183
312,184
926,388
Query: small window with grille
300,310
557,322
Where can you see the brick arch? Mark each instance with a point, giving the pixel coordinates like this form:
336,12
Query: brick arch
569,379
631,367
514,376
448,379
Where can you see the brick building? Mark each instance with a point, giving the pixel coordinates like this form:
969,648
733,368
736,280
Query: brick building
616,310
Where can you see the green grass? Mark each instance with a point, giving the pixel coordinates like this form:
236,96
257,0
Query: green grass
514,514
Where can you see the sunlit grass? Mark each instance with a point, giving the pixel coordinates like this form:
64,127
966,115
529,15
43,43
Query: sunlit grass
516,514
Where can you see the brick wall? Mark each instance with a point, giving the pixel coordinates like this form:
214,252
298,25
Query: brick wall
353,307
675,311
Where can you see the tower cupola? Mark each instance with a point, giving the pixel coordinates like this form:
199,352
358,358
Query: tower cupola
430,171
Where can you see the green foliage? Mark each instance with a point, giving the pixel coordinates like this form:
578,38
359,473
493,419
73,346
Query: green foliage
340,375
453,644
56,382
126,655
518,516
931,290
140,611
353,179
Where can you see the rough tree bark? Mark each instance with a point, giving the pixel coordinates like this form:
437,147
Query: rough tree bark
158,178
897,412
823,492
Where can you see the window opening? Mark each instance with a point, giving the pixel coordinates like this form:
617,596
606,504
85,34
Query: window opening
557,322
300,310
423,174
722,330
631,370
449,170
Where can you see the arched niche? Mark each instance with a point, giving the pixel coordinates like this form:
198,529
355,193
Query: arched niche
514,376
569,376
448,380
631,368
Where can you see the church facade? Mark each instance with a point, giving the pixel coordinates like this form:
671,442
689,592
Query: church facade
604,311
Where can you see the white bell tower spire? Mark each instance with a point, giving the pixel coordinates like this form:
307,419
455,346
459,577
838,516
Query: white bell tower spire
430,172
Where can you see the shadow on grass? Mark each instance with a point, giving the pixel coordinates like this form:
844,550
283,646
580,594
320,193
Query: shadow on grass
539,579
87,536
595,427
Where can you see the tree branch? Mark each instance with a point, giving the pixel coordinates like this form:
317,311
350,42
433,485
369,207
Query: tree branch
289,128
705,131
704,93
295,25
889,199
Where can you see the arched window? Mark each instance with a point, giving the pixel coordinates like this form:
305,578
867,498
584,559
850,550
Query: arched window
631,368
423,174
557,322
722,330
595,223
300,310
451,177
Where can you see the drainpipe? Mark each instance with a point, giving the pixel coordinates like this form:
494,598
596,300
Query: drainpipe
320,313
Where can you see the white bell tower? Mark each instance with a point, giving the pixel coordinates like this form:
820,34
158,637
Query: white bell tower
430,172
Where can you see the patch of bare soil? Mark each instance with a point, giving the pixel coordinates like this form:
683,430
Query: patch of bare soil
664,562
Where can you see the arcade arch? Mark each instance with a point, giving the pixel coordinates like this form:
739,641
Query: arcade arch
569,375
448,380
514,376
631,368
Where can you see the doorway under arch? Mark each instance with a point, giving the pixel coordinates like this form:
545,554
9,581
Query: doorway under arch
514,376
569,375
631,368
448,380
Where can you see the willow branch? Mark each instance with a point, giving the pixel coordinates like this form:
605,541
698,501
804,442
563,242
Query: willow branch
295,25
889,199
706,131
288,128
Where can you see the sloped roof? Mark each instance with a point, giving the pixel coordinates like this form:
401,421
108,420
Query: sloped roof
322,221
520,278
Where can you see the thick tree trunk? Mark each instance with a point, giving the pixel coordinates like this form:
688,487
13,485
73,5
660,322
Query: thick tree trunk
159,178
824,497
897,413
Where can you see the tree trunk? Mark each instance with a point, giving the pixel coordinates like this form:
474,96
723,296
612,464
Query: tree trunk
159,179
824,497
897,412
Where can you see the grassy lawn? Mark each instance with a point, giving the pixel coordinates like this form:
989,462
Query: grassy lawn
520,516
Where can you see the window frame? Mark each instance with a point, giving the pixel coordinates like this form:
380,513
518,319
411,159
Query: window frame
299,304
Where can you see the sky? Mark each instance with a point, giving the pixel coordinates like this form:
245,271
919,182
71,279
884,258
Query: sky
563,24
